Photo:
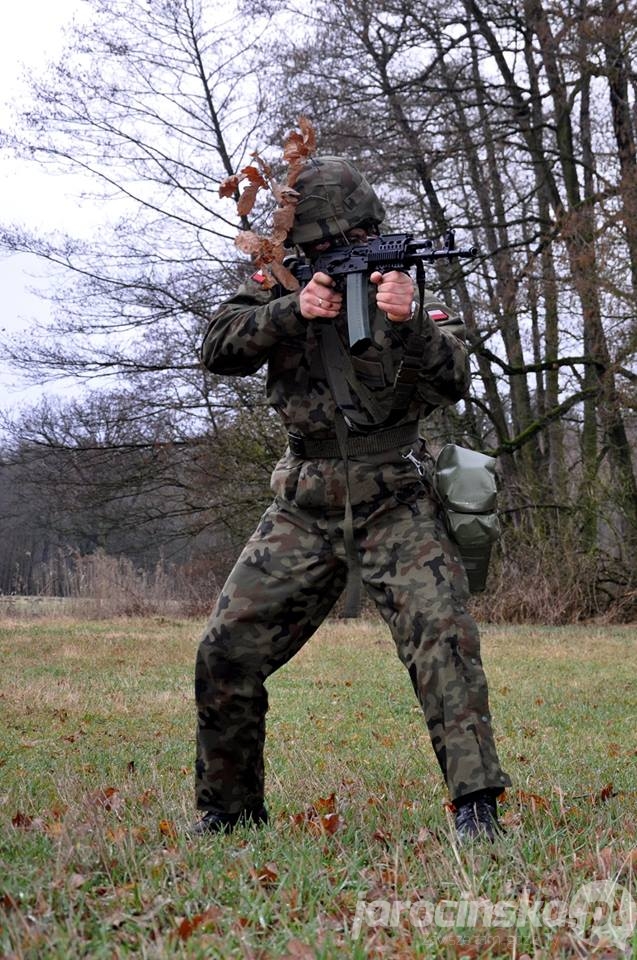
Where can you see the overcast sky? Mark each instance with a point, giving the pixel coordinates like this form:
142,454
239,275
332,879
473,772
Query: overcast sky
30,35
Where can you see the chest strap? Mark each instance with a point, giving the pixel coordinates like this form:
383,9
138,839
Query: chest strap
381,441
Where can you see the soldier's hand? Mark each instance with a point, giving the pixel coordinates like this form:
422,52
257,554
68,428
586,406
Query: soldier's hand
395,294
320,299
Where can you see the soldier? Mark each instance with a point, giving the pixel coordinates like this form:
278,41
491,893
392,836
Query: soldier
347,494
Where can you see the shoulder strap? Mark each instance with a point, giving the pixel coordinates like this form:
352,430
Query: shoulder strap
343,381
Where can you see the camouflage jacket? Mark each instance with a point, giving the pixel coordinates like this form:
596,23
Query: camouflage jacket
258,326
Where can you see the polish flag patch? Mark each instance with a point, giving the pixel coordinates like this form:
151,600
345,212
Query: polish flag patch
258,276
438,315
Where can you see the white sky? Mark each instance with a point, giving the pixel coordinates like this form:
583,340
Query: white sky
30,35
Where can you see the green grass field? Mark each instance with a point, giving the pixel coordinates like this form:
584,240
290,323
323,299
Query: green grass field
360,859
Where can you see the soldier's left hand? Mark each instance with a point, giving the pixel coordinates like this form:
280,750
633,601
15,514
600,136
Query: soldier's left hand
394,295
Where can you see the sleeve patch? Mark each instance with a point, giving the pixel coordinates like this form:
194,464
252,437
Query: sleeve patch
438,315
258,277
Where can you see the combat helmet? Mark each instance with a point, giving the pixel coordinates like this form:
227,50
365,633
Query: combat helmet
334,197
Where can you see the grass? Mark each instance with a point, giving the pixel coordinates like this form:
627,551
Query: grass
96,788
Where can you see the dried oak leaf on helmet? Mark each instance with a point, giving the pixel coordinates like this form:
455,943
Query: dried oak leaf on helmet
298,148
268,252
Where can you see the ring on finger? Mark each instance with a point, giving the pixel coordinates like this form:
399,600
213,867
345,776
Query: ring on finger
320,301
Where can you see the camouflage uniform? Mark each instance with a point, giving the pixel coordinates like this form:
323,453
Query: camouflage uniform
294,567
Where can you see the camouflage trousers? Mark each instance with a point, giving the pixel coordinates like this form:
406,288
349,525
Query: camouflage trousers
284,584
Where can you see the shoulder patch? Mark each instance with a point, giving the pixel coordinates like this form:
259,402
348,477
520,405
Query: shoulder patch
438,314
258,276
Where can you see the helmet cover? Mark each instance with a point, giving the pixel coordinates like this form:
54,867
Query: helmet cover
334,197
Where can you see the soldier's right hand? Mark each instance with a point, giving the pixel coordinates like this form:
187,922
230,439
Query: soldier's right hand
319,299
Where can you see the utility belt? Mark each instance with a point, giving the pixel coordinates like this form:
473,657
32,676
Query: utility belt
358,445
464,481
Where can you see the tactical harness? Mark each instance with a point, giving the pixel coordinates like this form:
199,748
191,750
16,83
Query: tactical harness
463,480
381,434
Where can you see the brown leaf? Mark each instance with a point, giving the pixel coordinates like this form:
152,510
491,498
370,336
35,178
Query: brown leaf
250,242
284,194
229,186
604,794
283,275
326,804
297,950
147,797
107,797
167,829
76,880
381,837
282,222
264,166
22,821
187,925
245,203
629,863
254,177
531,800
267,876
268,252
294,149
511,819
8,902
298,148
54,829
330,822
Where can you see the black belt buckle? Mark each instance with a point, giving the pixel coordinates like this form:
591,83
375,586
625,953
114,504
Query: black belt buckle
296,444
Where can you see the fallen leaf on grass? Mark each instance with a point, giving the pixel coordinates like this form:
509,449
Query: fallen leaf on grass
187,925
320,818
511,819
382,837
147,797
604,794
168,829
76,880
629,863
325,804
267,875
22,821
480,949
598,863
531,800
326,823
107,797
297,950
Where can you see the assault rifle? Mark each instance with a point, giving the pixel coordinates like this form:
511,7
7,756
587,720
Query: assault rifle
354,265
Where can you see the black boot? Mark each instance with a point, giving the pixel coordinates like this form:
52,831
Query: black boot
216,822
477,816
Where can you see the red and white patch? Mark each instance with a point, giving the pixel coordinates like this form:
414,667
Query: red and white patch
259,277
438,315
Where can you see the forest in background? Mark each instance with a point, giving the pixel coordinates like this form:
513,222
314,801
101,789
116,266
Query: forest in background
515,123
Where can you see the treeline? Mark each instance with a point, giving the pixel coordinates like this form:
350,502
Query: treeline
514,123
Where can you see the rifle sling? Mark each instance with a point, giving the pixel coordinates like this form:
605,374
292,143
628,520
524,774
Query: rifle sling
342,379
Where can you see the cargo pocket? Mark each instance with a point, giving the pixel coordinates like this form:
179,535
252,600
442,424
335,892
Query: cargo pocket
285,477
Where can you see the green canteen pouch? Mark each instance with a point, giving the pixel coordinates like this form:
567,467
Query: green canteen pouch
466,484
